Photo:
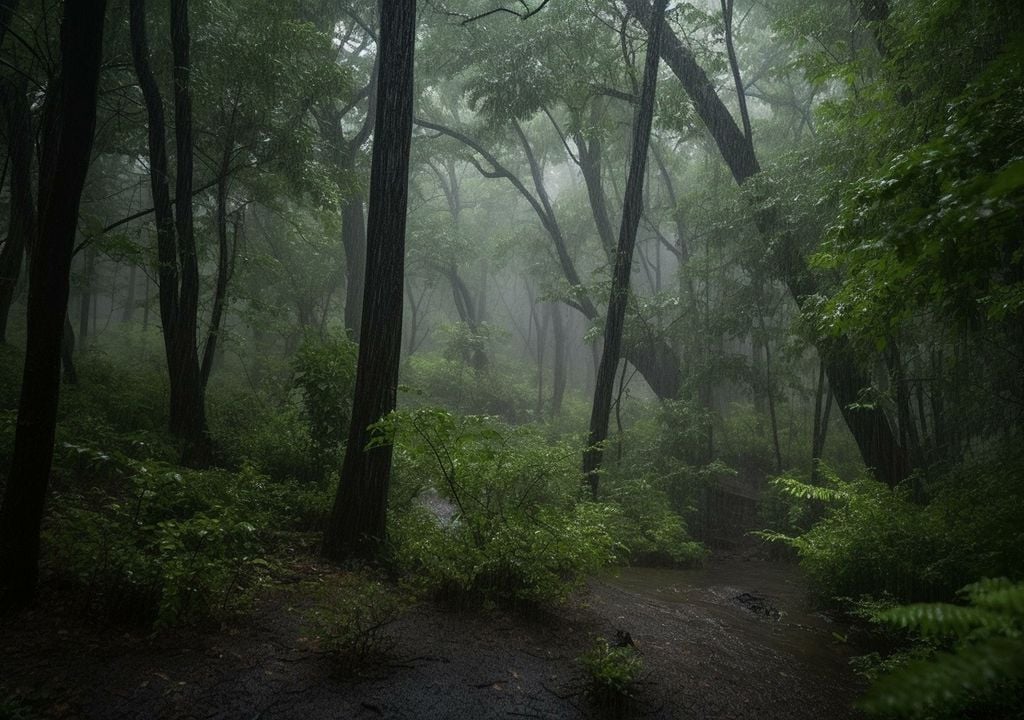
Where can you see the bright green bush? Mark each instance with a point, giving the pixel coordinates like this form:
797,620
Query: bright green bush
648,530
519,533
325,372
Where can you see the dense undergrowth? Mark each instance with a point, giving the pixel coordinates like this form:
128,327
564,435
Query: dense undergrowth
934,569
482,511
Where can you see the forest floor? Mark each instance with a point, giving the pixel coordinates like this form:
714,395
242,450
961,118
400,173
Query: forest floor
734,640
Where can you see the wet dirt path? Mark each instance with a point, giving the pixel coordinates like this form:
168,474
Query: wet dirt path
706,655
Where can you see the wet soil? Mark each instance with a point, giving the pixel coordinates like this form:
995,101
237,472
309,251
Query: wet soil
734,640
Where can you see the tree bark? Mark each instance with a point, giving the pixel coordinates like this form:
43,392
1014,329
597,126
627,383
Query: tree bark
178,274
69,145
632,206
21,227
357,525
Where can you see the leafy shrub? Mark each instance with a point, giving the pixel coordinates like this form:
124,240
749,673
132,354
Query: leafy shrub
980,673
650,532
613,672
518,534
871,540
458,387
352,615
171,547
325,371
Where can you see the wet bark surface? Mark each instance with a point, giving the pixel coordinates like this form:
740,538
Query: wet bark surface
735,640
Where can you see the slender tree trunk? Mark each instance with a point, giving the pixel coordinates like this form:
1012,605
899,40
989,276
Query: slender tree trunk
85,308
353,239
822,409
67,353
128,311
619,295
558,376
358,521
21,227
225,263
69,145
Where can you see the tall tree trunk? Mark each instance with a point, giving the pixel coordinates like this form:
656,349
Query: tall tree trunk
21,227
225,265
358,521
85,308
67,353
619,295
822,409
69,145
178,274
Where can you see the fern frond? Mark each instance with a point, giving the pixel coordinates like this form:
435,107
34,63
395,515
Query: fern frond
805,491
998,594
948,680
942,619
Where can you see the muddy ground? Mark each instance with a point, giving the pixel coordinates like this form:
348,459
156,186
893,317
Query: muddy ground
735,640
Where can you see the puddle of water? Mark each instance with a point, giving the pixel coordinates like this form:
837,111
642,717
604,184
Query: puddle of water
798,631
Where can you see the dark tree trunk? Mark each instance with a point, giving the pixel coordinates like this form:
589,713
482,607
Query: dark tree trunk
871,430
822,409
69,145
178,274
22,221
619,295
357,525
21,227
67,353
85,295
225,266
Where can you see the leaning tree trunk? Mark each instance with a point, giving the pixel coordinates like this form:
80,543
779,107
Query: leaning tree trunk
878,445
69,145
632,206
357,524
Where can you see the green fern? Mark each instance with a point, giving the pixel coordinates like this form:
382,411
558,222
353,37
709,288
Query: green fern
805,491
984,668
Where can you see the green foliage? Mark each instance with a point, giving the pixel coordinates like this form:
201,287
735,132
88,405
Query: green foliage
455,385
870,540
518,532
650,532
325,374
352,615
613,670
981,673
166,547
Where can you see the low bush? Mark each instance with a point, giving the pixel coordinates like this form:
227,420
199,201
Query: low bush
161,545
352,615
518,533
613,672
